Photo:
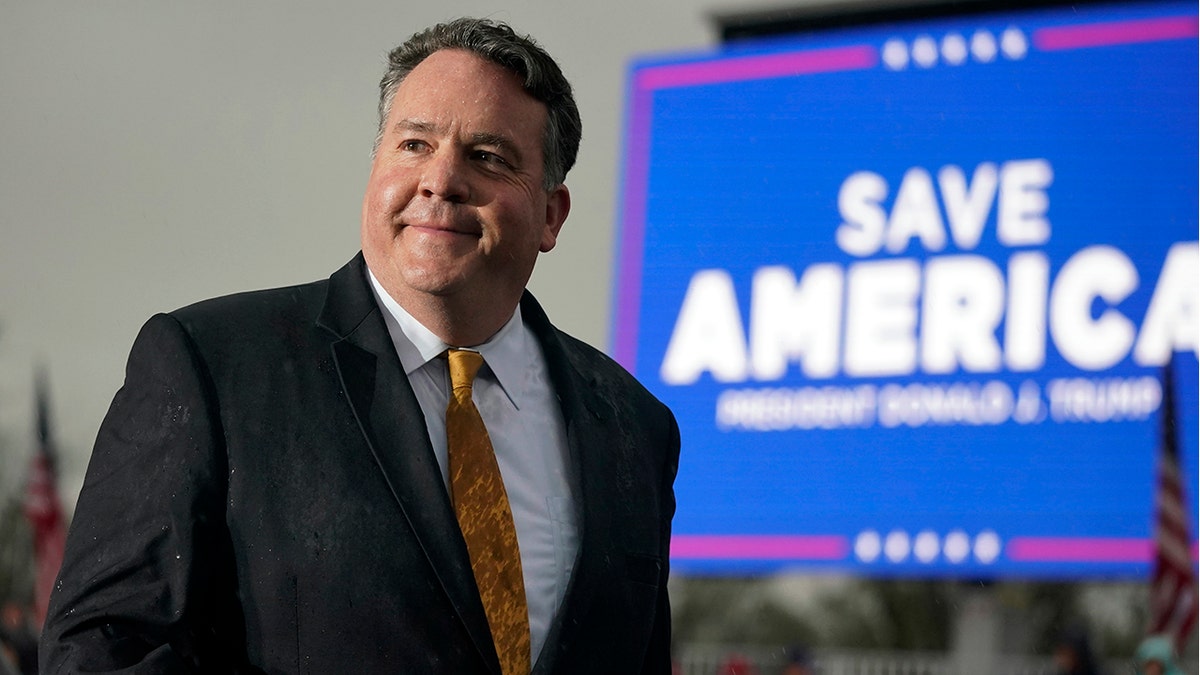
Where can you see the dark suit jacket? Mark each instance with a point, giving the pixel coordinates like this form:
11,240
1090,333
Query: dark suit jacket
263,497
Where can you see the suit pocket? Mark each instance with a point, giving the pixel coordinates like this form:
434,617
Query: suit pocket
643,569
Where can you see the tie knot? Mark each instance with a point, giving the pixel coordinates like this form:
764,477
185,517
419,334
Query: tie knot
464,364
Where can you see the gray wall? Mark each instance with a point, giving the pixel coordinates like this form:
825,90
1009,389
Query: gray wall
157,153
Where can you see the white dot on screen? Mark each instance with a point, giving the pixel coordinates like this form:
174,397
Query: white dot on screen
1013,43
926,546
957,546
925,51
983,46
867,546
954,49
895,54
896,546
987,547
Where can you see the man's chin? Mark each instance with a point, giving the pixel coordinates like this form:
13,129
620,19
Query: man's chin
440,283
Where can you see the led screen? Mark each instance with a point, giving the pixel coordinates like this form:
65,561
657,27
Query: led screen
911,290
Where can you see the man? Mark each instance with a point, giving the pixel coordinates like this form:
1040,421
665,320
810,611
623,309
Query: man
279,484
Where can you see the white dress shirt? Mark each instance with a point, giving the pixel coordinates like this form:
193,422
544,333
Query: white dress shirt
520,409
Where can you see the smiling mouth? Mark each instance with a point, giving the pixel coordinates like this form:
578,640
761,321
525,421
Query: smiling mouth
439,229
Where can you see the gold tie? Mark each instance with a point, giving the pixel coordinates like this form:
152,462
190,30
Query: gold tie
485,517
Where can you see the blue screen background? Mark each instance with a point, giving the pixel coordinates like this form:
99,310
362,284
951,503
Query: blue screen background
745,174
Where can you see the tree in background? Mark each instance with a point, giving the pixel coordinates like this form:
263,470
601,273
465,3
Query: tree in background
16,550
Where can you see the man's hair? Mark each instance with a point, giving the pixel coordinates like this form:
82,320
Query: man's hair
498,43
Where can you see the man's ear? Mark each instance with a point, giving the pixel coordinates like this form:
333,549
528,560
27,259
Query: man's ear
558,205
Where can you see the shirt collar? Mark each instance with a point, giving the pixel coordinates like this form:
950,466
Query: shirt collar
506,353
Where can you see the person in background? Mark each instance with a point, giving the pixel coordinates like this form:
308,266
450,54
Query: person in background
1073,654
737,664
18,637
799,662
1156,656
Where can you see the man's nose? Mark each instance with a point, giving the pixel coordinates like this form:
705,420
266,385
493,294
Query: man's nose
445,177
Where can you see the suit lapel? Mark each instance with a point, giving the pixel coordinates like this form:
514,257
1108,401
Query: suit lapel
394,427
588,421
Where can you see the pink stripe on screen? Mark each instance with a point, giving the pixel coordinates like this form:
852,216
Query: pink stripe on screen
1061,549
748,547
1115,33
758,67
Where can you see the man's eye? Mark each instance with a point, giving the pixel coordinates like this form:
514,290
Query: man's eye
489,158
412,145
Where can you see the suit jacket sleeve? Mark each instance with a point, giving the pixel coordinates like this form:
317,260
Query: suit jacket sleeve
658,656
146,580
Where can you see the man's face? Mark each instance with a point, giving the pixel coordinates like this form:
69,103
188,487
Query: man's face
455,207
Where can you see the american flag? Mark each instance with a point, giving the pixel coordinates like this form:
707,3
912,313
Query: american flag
1173,599
44,509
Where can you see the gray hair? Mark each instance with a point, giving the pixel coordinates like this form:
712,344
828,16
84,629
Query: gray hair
498,43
